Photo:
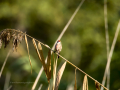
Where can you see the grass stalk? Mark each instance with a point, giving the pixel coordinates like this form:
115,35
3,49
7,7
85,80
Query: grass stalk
111,51
5,62
54,72
7,80
107,45
40,87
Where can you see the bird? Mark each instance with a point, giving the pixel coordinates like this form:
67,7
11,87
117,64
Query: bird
58,47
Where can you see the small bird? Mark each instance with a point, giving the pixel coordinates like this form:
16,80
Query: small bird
58,47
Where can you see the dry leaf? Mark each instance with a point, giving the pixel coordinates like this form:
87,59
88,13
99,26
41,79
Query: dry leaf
28,51
42,61
54,72
41,55
85,83
59,75
49,65
49,86
75,86
41,52
97,86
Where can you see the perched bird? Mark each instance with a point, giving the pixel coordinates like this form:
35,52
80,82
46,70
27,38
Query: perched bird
58,47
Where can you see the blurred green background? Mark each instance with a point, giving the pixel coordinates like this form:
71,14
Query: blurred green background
84,42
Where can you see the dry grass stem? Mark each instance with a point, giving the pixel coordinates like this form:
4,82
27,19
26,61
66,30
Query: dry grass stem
97,86
107,44
85,83
38,77
7,81
75,86
48,87
28,51
59,75
106,26
9,87
111,51
5,62
49,66
54,70
40,87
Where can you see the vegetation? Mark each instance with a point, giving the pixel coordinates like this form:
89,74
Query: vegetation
84,44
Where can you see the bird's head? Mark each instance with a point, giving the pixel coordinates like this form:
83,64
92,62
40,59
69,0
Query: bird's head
58,41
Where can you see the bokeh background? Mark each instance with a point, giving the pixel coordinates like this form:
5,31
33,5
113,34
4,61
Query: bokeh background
84,42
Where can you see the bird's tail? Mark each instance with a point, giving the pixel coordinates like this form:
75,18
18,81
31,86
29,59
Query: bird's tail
58,55
54,51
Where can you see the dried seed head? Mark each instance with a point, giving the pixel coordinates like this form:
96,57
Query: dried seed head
20,38
15,43
8,37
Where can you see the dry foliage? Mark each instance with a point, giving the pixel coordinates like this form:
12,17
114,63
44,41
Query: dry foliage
97,86
54,72
85,83
49,65
41,53
75,86
47,68
7,35
28,51
42,61
40,86
17,36
59,75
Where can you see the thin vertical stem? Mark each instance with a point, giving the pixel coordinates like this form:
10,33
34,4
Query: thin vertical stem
111,50
5,62
107,45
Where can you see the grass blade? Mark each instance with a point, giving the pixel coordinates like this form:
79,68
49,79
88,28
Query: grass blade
107,43
49,66
9,87
85,83
75,86
4,63
7,81
42,61
59,75
49,86
28,51
40,87
97,86
54,71
41,53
